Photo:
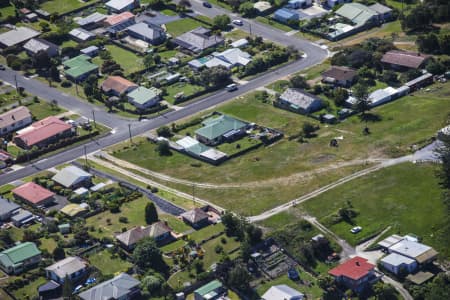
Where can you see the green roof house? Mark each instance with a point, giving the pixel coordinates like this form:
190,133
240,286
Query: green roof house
19,258
220,129
210,291
79,68
144,98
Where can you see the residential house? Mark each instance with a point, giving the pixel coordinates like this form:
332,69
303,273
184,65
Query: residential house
22,218
64,228
118,6
44,132
381,96
121,287
7,209
72,267
403,60
90,51
419,82
43,14
148,32
332,3
197,218
356,274
34,46
74,210
220,129
17,259
81,35
117,85
299,101
73,177
211,291
282,292
79,68
419,252
159,231
398,264
92,21
15,119
286,15
6,159
143,98
17,36
229,58
296,4
198,40
31,17
262,6
50,290
197,150
33,194
116,23
340,76
241,43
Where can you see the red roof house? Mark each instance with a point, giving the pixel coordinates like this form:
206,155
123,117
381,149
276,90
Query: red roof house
117,85
118,19
33,194
404,59
355,273
43,132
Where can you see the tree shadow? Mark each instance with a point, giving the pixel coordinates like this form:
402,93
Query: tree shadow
370,117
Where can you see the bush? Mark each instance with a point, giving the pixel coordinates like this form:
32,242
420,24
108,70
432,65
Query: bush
123,220
66,84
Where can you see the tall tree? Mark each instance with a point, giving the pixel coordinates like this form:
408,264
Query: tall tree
67,289
361,93
151,215
147,256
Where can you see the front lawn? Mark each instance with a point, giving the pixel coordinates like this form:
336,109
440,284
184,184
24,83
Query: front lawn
108,264
181,26
269,21
186,88
406,197
44,109
129,61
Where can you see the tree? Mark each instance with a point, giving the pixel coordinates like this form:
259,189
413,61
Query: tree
247,9
163,148
239,278
67,290
435,67
41,60
5,237
308,129
151,214
339,96
299,82
389,77
215,76
221,22
58,253
384,291
147,256
152,284
164,131
148,61
361,93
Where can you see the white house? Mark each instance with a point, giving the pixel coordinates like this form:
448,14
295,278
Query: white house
396,263
15,119
282,292
119,6
72,267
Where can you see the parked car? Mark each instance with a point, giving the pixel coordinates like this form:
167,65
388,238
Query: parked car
207,4
356,229
2,67
237,22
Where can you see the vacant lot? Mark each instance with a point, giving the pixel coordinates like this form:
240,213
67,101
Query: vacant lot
406,197
129,61
62,6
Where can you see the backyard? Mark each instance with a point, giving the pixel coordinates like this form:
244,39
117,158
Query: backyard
409,192
181,26
129,61
108,264
63,6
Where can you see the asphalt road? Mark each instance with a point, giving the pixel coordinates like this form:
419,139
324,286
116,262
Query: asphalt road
314,54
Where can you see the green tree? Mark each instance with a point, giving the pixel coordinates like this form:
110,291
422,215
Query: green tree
308,129
247,9
361,93
163,148
58,253
239,278
164,131
339,96
221,22
299,82
151,214
67,289
384,291
147,256
152,284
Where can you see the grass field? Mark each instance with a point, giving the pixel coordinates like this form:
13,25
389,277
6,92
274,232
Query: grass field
406,197
62,6
43,109
107,264
187,89
29,291
181,26
275,24
129,61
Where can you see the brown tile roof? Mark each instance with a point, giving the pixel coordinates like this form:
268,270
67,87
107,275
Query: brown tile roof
195,215
42,130
404,59
340,73
135,234
116,19
14,115
117,84
32,192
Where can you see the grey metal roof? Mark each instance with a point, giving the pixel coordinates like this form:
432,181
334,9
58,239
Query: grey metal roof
21,216
18,35
68,266
93,18
395,259
299,98
198,39
114,288
70,175
148,30
36,45
7,206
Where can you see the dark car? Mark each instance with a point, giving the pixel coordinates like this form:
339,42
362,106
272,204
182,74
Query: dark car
207,4
2,67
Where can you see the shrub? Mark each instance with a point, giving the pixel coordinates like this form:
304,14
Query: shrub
66,84
123,220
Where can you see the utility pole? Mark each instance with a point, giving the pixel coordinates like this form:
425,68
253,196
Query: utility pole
93,118
129,131
15,81
76,88
85,157
250,27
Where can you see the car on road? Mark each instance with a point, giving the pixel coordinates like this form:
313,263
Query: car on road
356,229
231,87
2,67
237,22
207,4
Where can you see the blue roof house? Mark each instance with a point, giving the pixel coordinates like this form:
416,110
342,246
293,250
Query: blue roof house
285,15
296,4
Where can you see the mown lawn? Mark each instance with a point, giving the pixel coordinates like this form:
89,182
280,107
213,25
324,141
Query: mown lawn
269,21
187,89
129,61
406,197
181,26
107,264
44,109
62,6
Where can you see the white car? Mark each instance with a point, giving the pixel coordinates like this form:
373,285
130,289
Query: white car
237,22
356,229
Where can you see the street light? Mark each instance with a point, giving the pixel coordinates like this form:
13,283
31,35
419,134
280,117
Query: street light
129,131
